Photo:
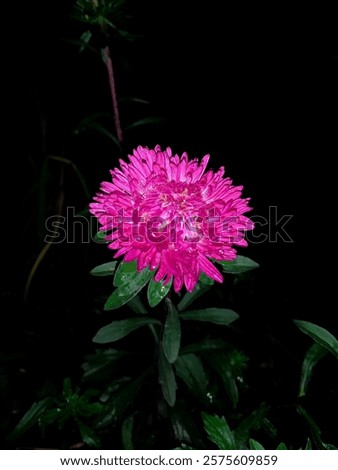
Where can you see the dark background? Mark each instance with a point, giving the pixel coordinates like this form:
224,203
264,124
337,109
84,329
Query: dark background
252,88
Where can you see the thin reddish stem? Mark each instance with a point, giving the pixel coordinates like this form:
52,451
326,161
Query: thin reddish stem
112,85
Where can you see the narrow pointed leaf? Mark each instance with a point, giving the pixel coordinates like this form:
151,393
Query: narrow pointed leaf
190,369
171,333
308,444
184,426
100,237
313,355
101,365
220,316
315,431
269,428
133,99
120,401
167,379
67,389
125,293
157,291
119,329
125,273
127,433
219,432
145,121
85,38
89,436
282,446
88,120
204,279
241,264
220,362
205,346
253,421
102,130
254,445
106,269
32,416
319,335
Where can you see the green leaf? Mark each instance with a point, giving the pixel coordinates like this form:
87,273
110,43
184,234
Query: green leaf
137,305
308,444
67,389
126,292
205,345
190,297
254,445
120,401
157,291
145,121
241,264
190,369
220,316
127,433
105,132
125,273
204,279
88,409
313,355
121,328
171,333
183,447
184,426
219,432
220,362
31,418
319,335
82,44
166,378
85,38
101,365
100,237
50,416
91,122
315,431
253,421
269,428
282,446
106,269
330,447
133,99
89,436
88,120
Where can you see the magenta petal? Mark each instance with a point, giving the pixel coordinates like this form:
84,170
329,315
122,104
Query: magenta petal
116,244
121,251
162,271
178,282
209,269
190,283
168,213
155,260
132,255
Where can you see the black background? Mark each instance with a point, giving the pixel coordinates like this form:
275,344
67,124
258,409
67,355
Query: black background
252,87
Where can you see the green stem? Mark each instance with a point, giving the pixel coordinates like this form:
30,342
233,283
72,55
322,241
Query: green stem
154,333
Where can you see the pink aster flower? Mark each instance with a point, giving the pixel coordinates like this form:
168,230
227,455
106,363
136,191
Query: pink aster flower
172,216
